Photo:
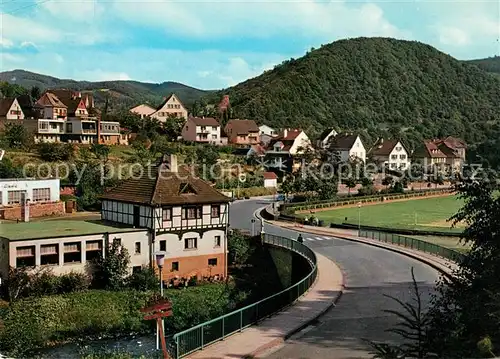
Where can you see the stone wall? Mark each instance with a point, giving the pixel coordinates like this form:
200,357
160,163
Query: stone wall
36,210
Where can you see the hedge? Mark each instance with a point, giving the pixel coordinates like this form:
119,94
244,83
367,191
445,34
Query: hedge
33,323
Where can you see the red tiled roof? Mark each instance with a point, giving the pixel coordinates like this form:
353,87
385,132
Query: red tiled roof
50,100
270,175
241,127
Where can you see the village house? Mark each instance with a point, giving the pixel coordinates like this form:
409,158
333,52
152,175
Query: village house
326,137
143,110
49,124
10,112
445,154
270,180
24,198
171,107
202,130
349,147
243,133
267,134
166,211
390,153
281,150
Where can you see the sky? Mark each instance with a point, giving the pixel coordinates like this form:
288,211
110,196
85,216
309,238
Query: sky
215,44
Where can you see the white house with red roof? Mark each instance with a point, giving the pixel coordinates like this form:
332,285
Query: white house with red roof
281,150
270,180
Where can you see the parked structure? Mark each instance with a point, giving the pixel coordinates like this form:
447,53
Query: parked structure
326,137
281,151
349,147
202,130
242,133
21,199
390,153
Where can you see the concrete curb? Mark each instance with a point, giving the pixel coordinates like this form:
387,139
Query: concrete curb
383,245
264,348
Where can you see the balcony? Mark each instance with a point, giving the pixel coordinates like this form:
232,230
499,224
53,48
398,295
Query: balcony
89,131
50,126
110,128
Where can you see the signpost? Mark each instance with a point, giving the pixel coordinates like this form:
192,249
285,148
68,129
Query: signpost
158,311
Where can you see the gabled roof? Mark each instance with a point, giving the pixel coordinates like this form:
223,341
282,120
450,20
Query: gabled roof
326,133
48,99
5,105
159,186
204,121
384,147
71,104
344,141
145,105
242,127
429,149
269,175
168,99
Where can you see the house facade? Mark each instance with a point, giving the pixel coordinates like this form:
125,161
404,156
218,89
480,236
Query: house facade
446,154
10,112
348,147
392,154
143,110
202,130
188,218
270,180
50,122
171,106
325,137
242,133
281,151
24,198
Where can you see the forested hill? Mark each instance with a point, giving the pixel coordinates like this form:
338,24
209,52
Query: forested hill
377,85
490,64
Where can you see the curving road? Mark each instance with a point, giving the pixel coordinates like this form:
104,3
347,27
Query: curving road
370,273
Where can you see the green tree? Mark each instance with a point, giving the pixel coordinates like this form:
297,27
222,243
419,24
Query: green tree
35,93
144,279
350,184
109,271
17,136
387,181
239,248
173,127
9,170
101,151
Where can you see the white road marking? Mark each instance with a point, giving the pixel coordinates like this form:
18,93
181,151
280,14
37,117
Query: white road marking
310,239
319,238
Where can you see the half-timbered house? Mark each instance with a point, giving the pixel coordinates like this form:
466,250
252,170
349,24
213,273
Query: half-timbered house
186,216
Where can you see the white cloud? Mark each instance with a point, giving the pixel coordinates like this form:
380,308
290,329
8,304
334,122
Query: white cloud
23,29
452,36
5,43
206,18
74,10
102,75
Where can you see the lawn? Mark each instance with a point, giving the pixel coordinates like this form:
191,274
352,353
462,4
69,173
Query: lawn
423,214
448,242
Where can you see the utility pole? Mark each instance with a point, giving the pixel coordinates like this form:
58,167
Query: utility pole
359,219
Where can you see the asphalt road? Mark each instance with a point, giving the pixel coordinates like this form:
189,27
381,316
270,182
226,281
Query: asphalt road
370,273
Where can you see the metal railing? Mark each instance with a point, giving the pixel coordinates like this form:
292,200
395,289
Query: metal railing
196,338
414,243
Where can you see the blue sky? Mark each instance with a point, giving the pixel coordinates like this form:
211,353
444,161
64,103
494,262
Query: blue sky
215,44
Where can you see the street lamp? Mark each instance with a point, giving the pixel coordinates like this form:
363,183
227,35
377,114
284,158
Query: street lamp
359,219
160,260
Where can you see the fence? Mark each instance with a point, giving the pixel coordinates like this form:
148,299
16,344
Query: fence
196,338
301,206
413,243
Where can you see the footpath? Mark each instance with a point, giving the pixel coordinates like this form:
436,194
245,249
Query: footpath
257,339
441,264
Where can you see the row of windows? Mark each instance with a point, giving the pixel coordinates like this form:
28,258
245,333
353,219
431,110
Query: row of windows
39,195
194,212
395,157
189,243
175,265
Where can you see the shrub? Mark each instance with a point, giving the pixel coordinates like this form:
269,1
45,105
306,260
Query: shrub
144,279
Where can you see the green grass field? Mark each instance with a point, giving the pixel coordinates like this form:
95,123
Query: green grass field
423,214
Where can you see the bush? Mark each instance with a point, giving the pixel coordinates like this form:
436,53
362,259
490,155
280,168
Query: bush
35,322
144,279
52,152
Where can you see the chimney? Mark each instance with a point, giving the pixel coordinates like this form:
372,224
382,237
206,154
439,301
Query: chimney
285,132
381,140
170,162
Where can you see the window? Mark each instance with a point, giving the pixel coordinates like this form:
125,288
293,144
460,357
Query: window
190,243
163,246
217,241
175,266
136,269
49,254
167,214
203,128
214,137
215,211
394,157
117,241
192,212
69,127
41,194
398,148
137,247
212,261
214,128
403,157
72,252
14,197
25,256
393,165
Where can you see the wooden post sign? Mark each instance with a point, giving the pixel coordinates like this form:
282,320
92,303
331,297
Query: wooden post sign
158,311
